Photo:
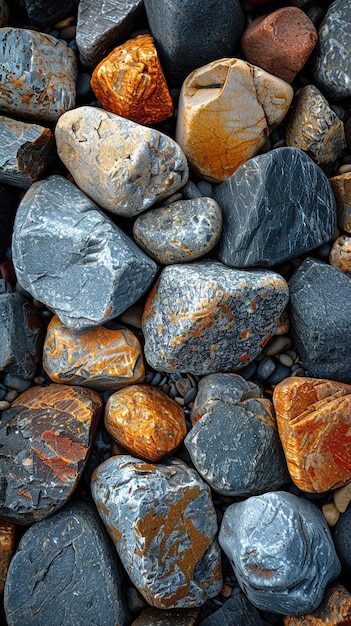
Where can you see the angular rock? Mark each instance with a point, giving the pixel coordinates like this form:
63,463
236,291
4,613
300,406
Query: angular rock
276,207
25,151
181,231
39,72
123,166
46,12
163,523
334,610
65,571
145,421
4,13
320,319
7,549
94,274
8,206
281,551
45,438
218,137
340,254
130,82
236,610
342,539
341,186
176,617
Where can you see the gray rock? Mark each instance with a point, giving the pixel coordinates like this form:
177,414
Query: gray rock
69,255
236,610
8,206
180,232
320,318
275,207
65,571
4,13
46,12
204,317
163,523
342,539
39,72
281,551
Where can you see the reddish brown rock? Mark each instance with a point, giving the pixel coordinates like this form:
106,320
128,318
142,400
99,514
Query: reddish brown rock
280,42
341,186
7,549
131,83
314,424
145,421
340,254
334,610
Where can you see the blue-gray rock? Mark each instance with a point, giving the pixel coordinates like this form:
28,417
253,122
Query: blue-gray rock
46,12
320,319
69,255
65,571
237,610
163,523
275,207
281,551
191,33
204,317
182,231
39,72
342,538
8,206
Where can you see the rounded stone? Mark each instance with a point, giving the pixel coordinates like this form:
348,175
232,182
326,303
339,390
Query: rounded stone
340,254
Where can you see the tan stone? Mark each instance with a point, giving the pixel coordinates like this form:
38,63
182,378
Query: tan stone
334,610
226,111
341,186
342,497
330,513
340,254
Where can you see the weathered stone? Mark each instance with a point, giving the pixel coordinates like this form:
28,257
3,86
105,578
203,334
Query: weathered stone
25,151
334,610
7,549
123,166
320,318
341,186
8,206
101,24
39,72
45,437
65,571
342,539
46,12
342,497
204,317
130,82
275,207
340,254
236,610
281,551
218,137
179,232
96,271
145,421
314,127
330,513
176,617
163,523
4,13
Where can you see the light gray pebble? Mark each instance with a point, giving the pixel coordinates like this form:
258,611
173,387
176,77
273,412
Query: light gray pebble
285,359
278,343
4,405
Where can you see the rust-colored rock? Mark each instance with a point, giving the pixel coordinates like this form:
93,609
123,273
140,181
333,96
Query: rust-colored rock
131,83
341,186
340,254
100,358
314,424
334,610
280,42
145,421
7,549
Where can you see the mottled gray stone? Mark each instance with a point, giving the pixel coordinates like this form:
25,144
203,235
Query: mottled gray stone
281,551
163,523
332,61
320,319
4,13
65,571
47,12
8,206
180,232
39,72
237,610
204,317
25,151
123,166
69,255
275,207
102,25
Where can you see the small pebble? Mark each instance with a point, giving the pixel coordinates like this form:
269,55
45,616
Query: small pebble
15,382
190,191
4,405
266,368
11,395
279,374
285,359
190,397
342,497
277,344
330,513
183,385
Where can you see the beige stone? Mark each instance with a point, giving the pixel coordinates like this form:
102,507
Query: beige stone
226,111
330,513
342,497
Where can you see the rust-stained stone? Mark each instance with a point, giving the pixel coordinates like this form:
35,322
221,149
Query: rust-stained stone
314,424
100,358
45,439
7,549
341,186
145,421
176,617
334,610
131,83
340,254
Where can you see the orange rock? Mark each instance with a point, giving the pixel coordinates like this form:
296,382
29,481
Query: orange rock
334,610
146,422
314,424
340,254
7,549
341,186
131,83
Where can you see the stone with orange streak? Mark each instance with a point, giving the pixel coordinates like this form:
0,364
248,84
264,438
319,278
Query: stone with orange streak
46,437
314,424
100,358
7,549
340,254
130,82
226,112
334,610
145,421
341,186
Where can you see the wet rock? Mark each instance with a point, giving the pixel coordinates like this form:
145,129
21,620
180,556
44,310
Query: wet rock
236,610
7,549
340,254
334,610
341,186
46,12
8,206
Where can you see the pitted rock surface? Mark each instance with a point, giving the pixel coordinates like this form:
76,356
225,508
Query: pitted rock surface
123,166
46,12
281,551
163,523
204,317
95,273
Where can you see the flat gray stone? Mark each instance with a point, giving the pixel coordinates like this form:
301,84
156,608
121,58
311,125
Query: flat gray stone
46,12
69,255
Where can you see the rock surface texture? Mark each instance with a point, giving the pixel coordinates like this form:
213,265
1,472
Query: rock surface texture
341,186
334,610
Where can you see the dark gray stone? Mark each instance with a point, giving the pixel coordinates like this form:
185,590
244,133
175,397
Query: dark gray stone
65,571
320,319
275,207
47,12
281,551
237,610
69,255
191,33
4,13
342,538
8,206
